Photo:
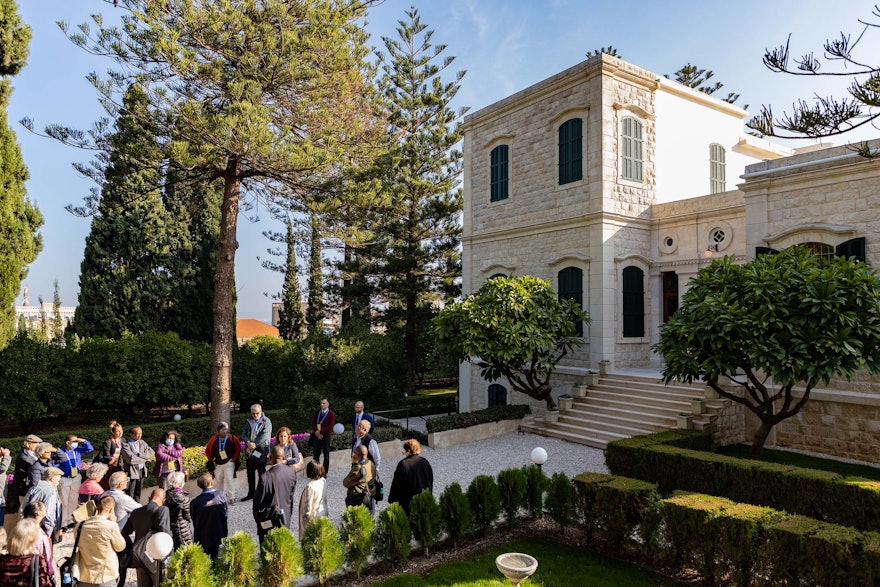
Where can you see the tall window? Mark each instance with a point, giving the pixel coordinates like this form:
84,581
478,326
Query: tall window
631,149
570,151
497,395
717,169
498,173
633,302
571,287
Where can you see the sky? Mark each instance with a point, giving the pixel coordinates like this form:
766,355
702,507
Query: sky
504,45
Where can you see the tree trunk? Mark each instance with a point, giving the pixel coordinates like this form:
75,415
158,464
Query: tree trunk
761,437
409,344
224,298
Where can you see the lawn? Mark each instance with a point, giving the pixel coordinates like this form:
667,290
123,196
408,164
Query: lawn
794,459
558,566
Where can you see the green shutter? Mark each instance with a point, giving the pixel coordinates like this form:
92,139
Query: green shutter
498,166
853,248
633,302
570,151
571,287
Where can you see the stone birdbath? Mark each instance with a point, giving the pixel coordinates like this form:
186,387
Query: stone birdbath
516,566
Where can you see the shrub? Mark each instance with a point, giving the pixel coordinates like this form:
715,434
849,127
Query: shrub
690,532
617,506
467,419
536,482
485,502
236,564
392,536
455,513
321,549
357,537
512,486
560,500
280,559
424,519
189,566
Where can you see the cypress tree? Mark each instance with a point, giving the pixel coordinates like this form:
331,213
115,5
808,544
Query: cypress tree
19,218
315,308
124,285
290,319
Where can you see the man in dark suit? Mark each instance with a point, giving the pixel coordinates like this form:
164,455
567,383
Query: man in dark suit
412,476
209,512
147,519
21,477
322,431
273,500
360,414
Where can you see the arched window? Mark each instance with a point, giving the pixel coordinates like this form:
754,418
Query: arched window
498,170
497,395
631,149
717,169
571,151
633,302
820,250
571,287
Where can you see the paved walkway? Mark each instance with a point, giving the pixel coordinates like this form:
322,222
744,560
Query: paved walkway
457,464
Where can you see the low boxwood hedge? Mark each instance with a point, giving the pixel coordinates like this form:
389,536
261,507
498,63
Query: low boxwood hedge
679,460
467,419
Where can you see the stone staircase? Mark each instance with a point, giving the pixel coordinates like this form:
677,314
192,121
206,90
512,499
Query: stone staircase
623,405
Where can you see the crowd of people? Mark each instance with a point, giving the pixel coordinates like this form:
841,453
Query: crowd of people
112,527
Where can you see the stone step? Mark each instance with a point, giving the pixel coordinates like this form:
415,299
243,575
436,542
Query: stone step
645,402
626,415
648,386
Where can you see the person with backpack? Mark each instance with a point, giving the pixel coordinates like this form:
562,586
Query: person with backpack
358,480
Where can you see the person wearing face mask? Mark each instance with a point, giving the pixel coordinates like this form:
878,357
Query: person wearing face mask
256,435
169,457
222,452
69,458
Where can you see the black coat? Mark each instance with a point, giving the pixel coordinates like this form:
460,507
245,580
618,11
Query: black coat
209,512
151,517
178,507
412,476
23,463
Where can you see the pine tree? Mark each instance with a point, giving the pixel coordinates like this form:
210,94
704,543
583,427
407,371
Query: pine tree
827,116
290,319
413,254
19,218
266,96
698,79
315,308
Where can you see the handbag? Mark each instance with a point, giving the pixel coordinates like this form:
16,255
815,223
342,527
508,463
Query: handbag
67,566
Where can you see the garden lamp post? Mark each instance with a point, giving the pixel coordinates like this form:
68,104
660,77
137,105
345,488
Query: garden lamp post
159,546
539,456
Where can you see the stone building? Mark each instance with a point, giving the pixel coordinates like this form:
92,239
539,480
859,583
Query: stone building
618,185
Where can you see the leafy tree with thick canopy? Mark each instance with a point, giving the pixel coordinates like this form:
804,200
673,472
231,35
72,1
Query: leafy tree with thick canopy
777,327
827,116
266,96
513,327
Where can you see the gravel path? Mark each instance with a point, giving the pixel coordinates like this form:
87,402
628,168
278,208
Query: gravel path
454,464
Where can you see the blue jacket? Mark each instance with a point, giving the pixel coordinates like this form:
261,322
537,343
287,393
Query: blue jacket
68,459
260,433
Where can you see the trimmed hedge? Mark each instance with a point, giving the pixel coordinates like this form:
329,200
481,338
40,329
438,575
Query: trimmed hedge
727,542
467,419
678,460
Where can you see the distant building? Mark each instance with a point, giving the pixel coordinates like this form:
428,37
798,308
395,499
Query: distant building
331,323
248,328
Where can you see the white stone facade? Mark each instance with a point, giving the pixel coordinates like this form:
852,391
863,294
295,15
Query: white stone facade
663,225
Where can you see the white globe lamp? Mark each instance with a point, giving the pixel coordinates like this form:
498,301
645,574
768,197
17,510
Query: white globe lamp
177,417
159,546
338,428
539,456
